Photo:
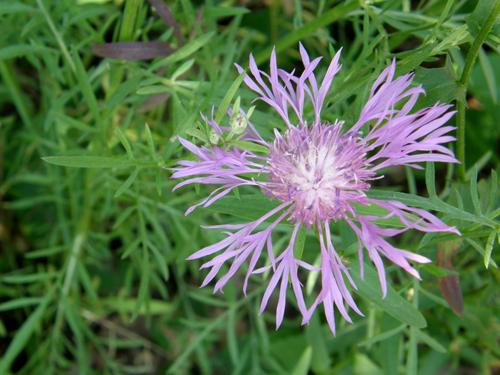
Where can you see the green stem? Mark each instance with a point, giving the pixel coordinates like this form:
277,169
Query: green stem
464,80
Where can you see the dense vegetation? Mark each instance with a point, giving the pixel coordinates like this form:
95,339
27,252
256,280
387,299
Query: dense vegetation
93,271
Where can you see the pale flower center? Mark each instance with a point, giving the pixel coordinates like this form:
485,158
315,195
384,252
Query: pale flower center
318,169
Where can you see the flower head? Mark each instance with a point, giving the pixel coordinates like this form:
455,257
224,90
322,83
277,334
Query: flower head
319,173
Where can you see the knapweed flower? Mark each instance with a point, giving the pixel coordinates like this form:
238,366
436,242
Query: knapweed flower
319,172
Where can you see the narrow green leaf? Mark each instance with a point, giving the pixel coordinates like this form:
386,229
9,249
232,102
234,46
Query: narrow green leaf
19,303
474,193
488,74
96,161
184,51
226,100
250,146
20,50
489,248
128,305
300,242
182,69
382,336
232,338
249,207
85,86
149,139
430,204
128,182
122,91
28,278
125,143
304,363
429,341
23,334
213,12
295,36
430,179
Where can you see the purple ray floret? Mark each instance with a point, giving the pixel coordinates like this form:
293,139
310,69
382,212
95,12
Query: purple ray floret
318,174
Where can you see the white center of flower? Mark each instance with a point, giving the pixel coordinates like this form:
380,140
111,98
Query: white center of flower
317,169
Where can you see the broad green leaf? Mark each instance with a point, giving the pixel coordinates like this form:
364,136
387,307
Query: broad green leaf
393,304
440,84
477,19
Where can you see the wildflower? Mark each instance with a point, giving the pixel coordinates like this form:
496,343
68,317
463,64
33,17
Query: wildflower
319,174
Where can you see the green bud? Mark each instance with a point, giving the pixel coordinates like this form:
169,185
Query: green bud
214,137
239,123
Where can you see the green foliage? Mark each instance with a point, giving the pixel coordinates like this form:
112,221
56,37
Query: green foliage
93,276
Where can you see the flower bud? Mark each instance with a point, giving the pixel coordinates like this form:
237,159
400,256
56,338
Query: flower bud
214,137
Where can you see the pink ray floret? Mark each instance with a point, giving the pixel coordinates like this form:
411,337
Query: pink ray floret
318,173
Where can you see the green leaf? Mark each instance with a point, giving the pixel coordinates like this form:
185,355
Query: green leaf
232,338
124,305
23,334
122,91
185,51
250,146
213,12
440,84
488,74
226,100
96,161
382,336
429,341
20,302
248,207
473,191
489,248
393,304
125,143
478,17
430,204
20,50
304,363
300,242
328,17
430,179
128,182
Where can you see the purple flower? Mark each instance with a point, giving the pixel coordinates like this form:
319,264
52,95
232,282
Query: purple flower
319,173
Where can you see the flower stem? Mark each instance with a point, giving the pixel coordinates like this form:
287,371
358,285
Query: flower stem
464,80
